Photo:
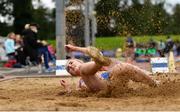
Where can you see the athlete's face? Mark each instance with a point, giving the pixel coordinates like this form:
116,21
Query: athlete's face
73,67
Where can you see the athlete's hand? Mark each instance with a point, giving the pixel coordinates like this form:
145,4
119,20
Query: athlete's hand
65,85
70,48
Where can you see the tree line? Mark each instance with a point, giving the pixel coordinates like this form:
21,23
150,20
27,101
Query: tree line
23,12
114,17
141,17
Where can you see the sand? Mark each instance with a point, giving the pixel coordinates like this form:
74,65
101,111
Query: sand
46,94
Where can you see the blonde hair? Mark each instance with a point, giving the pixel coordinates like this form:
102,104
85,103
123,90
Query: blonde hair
44,42
66,66
26,26
9,34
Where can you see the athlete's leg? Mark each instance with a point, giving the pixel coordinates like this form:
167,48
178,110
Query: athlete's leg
125,71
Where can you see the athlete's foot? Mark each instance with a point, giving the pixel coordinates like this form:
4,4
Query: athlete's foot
98,56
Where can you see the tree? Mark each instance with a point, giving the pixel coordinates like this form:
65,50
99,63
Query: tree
161,19
107,14
22,13
26,13
5,11
5,29
75,22
46,20
176,20
141,17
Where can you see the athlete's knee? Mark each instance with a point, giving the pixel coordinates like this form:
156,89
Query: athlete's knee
119,71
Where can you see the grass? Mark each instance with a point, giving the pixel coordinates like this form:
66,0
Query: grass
52,42
111,43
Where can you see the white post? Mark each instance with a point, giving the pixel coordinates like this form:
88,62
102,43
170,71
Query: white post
60,29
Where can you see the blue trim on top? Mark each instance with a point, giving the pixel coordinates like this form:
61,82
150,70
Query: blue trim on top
159,65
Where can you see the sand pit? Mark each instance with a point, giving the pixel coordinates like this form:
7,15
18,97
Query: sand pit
46,94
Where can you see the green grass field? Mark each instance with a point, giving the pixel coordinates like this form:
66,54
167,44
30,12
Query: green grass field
111,43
